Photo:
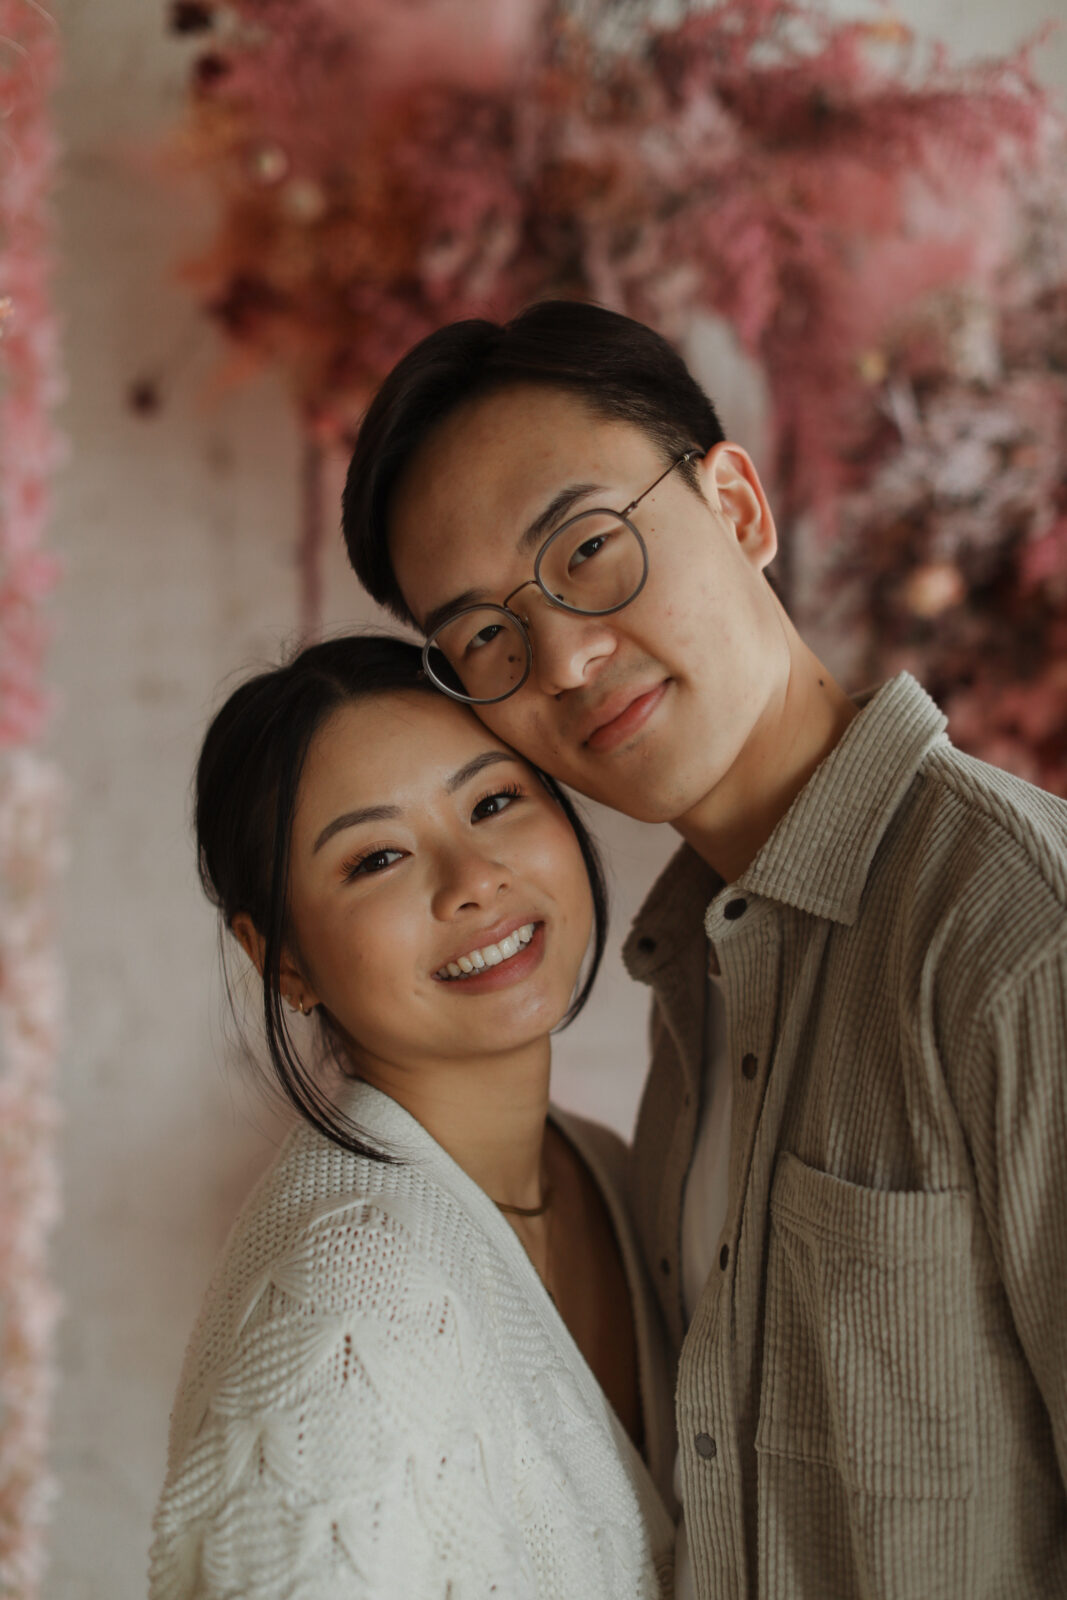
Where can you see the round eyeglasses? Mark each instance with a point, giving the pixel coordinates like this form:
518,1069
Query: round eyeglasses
592,565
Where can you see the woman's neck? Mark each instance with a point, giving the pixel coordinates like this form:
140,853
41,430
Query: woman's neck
489,1115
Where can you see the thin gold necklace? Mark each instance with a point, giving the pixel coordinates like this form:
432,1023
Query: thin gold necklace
526,1211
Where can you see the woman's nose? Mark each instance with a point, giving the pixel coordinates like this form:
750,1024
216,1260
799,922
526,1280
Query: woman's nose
468,878
568,649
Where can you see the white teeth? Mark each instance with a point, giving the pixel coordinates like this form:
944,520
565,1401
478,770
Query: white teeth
490,955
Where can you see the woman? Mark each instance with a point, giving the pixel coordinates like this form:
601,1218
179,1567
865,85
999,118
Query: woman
426,1364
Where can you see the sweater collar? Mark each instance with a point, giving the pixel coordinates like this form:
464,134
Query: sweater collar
819,855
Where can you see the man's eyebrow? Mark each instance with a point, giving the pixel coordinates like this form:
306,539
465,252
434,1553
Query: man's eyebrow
352,819
464,774
554,513
532,536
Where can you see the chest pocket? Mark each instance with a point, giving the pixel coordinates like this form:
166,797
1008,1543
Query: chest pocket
867,1434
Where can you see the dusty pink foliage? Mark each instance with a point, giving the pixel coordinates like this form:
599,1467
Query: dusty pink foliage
30,998
383,168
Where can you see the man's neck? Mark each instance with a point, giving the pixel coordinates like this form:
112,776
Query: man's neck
796,732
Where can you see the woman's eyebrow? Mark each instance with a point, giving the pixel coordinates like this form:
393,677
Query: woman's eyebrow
488,758
352,819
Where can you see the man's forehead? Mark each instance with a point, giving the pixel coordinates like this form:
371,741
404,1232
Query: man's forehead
507,443
491,481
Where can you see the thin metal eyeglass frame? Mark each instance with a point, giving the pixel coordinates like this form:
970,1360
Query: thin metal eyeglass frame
521,622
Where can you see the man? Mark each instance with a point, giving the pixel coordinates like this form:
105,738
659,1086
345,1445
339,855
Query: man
850,1164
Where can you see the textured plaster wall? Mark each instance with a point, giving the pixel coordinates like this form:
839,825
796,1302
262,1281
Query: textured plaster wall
177,533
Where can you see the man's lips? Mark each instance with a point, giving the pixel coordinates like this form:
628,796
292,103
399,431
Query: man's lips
620,716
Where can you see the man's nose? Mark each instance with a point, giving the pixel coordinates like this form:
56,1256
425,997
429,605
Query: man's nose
568,648
467,879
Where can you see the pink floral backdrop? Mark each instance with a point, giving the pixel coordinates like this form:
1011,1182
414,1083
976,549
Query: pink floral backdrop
883,229
30,808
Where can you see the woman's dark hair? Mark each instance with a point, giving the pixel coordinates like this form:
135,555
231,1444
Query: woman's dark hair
247,781
622,370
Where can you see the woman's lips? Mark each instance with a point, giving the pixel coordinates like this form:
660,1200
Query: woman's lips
508,972
609,735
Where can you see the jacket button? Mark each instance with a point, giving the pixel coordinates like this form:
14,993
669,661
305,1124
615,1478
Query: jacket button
646,945
749,1066
665,1267
706,1446
724,1257
734,909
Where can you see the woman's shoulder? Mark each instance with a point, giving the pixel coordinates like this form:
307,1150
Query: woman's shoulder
330,1249
327,1364
369,1371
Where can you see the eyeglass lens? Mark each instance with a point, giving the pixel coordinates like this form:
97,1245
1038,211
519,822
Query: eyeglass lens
482,654
593,564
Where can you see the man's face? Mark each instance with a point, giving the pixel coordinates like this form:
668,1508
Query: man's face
647,710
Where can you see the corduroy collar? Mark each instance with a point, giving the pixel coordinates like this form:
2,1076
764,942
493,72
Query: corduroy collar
818,857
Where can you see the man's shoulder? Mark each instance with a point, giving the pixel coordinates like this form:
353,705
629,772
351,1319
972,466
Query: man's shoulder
969,887
1012,834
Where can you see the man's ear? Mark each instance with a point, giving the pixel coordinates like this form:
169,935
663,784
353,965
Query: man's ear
295,989
732,486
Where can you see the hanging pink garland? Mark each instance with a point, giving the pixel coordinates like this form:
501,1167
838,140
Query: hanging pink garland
822,184
30,824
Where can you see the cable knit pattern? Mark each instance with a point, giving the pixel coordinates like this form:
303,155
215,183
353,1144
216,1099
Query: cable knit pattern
380,1400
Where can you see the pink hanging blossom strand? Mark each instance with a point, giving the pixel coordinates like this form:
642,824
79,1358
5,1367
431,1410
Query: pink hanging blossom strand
30,793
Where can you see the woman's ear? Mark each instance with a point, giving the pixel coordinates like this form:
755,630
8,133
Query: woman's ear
732,486
295,990
249,938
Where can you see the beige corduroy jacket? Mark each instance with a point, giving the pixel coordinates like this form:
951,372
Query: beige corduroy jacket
872,1392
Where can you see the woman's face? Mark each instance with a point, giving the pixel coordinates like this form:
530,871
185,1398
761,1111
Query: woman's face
423,847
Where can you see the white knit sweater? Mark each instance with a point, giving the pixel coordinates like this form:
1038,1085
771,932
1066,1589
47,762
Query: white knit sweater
381,1402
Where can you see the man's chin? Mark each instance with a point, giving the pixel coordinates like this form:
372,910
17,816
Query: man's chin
642,804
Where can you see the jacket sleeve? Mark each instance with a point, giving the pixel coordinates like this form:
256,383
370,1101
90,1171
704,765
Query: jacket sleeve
1026,1202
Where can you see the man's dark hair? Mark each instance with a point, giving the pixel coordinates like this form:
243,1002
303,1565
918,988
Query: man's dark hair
622,370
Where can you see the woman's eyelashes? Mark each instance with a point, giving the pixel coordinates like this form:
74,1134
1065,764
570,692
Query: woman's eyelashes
369,862
496,801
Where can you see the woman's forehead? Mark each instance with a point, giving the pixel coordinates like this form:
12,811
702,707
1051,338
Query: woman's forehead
381,749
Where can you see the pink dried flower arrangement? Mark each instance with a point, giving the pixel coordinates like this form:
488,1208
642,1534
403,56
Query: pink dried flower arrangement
381,170
30,988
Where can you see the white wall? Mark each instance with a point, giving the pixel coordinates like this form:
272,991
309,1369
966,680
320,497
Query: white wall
177,533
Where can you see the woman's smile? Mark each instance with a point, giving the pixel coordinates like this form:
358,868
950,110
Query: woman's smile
430,863
497,962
